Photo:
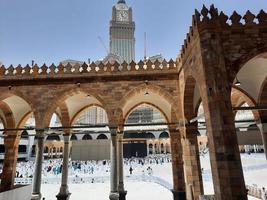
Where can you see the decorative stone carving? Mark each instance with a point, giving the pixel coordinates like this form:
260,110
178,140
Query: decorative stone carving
262,17
235,18
124,66
27,70
223,18
93,67
213,12
84,68
60,68
52,69
68,68
204,13
249,18
18,70
44,69
196,17
35,70
116,66
10,70
132,64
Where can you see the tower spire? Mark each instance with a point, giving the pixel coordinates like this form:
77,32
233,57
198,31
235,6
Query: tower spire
121,1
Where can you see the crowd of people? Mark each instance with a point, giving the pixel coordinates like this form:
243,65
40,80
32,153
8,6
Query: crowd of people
53,168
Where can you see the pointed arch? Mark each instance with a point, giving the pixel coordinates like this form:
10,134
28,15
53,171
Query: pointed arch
262,101
8,118
67,93
157,96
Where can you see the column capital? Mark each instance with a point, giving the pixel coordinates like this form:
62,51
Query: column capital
113,130
66,137
40,133
120,135
40,130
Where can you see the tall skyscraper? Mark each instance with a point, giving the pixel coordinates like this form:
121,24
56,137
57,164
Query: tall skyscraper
122,27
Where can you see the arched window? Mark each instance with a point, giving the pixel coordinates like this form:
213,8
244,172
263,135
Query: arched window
73,137
24,135
151,136
102,137
87,137
53,136
164,135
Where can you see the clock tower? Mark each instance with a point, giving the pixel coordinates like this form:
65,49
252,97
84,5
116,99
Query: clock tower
122,27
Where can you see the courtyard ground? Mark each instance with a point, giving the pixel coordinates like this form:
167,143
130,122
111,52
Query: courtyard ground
254,165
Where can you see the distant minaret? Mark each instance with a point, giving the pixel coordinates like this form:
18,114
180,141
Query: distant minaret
122,27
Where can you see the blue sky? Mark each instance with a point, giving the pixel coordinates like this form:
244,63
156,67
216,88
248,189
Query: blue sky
53,30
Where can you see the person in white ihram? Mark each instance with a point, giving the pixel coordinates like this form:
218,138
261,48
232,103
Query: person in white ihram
263,194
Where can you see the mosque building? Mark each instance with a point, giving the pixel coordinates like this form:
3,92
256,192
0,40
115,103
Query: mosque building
121,48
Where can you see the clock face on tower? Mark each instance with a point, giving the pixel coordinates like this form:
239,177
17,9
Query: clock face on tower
122,16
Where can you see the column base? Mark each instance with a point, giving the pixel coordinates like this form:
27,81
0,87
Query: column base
178,195
114,196
122,195
63,196
36,197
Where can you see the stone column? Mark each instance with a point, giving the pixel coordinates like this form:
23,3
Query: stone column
122,192
113,165
191,158
226,167
215,84
159,146
64,193
37,178
263,130
153,149
177,165
11,142
30,144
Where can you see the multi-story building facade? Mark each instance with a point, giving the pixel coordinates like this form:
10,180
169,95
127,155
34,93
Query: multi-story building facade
121,32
